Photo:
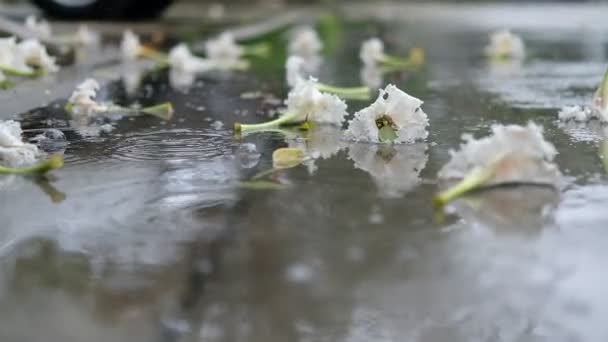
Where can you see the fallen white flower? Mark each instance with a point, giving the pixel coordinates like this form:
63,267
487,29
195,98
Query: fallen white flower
305,103
505,45
13,151
10,58
394,168
309,104
512,154
34,54
305,42
575,113
87,37
130,46
224,52
322,142
82,100
182,59
40,28
395,117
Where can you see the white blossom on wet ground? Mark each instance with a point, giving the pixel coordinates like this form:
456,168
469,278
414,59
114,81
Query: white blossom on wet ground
305,43
40,28
224,53
395,117
511,155
182,59
505,45
13,151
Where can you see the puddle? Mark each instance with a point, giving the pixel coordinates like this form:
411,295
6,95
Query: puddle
147,233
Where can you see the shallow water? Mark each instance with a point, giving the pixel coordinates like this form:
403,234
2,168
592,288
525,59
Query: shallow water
148,234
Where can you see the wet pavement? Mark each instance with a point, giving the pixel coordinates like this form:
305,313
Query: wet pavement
150,234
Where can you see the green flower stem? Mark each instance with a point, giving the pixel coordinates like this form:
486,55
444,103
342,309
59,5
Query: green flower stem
6,84
284,119
261,50
262,185
472,181
601,95
358,93
14,72
162,111
54,162
604,154
396,62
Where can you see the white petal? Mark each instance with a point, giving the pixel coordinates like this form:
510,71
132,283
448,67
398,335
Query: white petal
505,44
130,45
13,151
224,51
372,51
305,42
181,58
310,104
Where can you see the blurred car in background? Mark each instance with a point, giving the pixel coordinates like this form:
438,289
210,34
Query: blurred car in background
103,9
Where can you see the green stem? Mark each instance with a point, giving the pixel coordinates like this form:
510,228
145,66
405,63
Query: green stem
54,162
6,84
472,181
162,111
284,119
262,185
359,93
604,154
14,72
397,62
261,50
154,54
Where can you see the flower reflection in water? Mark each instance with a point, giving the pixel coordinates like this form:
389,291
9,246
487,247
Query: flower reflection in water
394,168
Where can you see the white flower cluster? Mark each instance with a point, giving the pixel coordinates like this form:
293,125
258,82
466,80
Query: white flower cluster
505,45
83,102
395,110
13,151
516,154
22,57
309,104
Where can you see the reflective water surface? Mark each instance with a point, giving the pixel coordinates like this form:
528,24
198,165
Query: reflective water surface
150,233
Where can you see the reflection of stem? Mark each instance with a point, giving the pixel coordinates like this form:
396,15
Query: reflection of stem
357,93
262,185
262,174
55,195
282,120
52,163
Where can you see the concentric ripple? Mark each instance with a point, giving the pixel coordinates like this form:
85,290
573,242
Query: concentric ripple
171,144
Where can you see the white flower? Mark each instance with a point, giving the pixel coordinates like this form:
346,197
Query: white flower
9,56
372,52
40,28
87,37
517,154
309,104
504,44
13,151
223,51
130,46
83,99
180,58
393,109
394,168
181,80
575,113
34,54
305,42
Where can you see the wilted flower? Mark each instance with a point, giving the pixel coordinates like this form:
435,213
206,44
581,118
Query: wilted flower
372,54
395,117
512,154
505,45
394,168
305,42
182,59
297,72
34,54
40,28
305,103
